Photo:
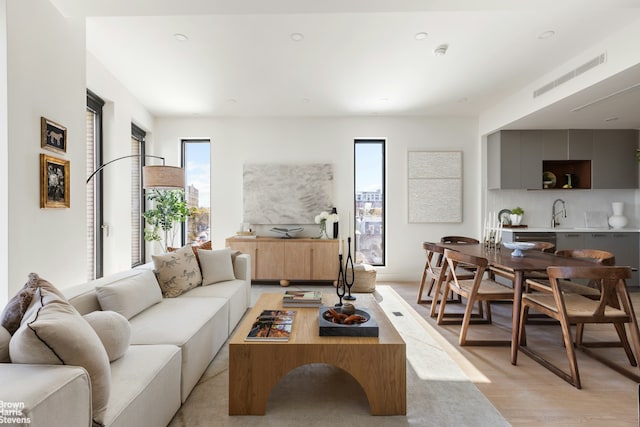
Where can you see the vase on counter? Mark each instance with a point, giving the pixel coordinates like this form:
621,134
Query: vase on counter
617,220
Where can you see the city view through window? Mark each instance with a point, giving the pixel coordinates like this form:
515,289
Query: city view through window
197,164
369,202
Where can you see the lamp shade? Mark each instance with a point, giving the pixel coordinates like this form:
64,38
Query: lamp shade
160,176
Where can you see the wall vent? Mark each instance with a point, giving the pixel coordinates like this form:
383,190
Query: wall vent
598,60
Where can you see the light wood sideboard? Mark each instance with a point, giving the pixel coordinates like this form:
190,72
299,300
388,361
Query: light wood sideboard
289,259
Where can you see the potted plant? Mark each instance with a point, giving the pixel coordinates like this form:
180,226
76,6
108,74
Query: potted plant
516,215
169,209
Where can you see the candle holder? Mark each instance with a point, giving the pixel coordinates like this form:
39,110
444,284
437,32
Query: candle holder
349,264
340,285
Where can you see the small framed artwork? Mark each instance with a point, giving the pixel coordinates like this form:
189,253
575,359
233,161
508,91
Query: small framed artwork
53,136
55,180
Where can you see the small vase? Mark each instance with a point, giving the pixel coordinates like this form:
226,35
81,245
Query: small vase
323,230
617,220
515,219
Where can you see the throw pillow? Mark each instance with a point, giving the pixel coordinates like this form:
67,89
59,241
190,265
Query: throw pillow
131,295
216,266
194,248
177,272
16,307
114,332
54,333
5,337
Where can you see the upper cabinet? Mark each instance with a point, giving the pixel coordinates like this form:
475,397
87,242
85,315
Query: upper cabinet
579,158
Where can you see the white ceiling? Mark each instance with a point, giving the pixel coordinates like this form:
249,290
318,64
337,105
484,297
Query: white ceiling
357,58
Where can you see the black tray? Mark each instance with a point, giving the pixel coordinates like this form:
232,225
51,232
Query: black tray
330,329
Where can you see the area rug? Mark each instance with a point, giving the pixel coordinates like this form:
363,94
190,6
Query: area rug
438,392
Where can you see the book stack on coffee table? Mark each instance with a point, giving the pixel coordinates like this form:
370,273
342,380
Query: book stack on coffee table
302,299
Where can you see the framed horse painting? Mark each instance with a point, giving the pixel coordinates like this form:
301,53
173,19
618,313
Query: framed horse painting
53,136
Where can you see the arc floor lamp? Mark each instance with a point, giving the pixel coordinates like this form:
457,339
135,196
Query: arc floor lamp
153,176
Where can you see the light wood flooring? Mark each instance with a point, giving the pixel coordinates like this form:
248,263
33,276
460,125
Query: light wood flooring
528,394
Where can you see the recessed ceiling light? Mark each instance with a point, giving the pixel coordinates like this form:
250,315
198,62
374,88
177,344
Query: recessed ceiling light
232,101
181,37
421,35
384,99
462,100
441,50
306,100
546,34
611,119
297,37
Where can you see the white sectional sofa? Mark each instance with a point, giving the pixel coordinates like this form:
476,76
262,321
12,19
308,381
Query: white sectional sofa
172,342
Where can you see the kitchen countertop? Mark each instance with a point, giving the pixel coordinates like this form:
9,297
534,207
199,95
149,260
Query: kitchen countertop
571,230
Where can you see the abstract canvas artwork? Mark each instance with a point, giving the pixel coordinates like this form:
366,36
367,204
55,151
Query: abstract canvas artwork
435,186
286,194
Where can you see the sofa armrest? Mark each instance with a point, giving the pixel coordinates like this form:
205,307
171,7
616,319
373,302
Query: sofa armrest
45,395
242,267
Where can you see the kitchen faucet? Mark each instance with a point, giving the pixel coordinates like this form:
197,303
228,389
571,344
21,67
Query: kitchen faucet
554,214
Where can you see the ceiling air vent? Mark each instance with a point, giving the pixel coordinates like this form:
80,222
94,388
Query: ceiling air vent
600,59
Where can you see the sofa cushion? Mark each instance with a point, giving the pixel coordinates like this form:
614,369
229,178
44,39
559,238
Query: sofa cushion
131,295
216,266
16,307
177,272
54,333
5,336
114,332
194,248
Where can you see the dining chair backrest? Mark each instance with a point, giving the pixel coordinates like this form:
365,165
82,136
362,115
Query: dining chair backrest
596,255
459,240
544,246
454,258
610,279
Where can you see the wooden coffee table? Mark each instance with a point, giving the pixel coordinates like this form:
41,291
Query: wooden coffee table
378,364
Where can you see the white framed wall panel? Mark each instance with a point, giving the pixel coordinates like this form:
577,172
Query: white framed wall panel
434,186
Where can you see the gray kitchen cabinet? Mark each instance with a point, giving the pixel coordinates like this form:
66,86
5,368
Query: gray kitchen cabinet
614,163
580,144
624,245
503,160
555,145
569,240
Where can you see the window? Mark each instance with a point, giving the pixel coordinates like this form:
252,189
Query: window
137,196
196,161
94,188
370,200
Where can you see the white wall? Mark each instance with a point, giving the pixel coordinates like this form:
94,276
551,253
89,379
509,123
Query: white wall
289,140
120,110
46,71
4,160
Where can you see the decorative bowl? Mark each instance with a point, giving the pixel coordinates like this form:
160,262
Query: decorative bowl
518,247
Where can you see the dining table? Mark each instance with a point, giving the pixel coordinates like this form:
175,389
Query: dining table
519,266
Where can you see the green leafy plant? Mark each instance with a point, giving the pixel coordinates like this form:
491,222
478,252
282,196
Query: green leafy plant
517,211
169,209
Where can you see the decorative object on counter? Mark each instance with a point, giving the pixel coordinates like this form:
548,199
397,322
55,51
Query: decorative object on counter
548,180
516,215
492,234
287,232
322,219
504,216
334,211
617,220
595,219
518,247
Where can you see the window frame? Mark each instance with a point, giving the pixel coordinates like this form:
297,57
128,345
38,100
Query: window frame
140,135
383,243
96,104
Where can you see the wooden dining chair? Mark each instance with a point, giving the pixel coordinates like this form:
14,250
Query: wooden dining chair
459,240
435,273
586,288
477,289
573,309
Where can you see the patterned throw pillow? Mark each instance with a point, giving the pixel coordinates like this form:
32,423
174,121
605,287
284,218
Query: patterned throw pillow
54,333
17,306
177,272
194,248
